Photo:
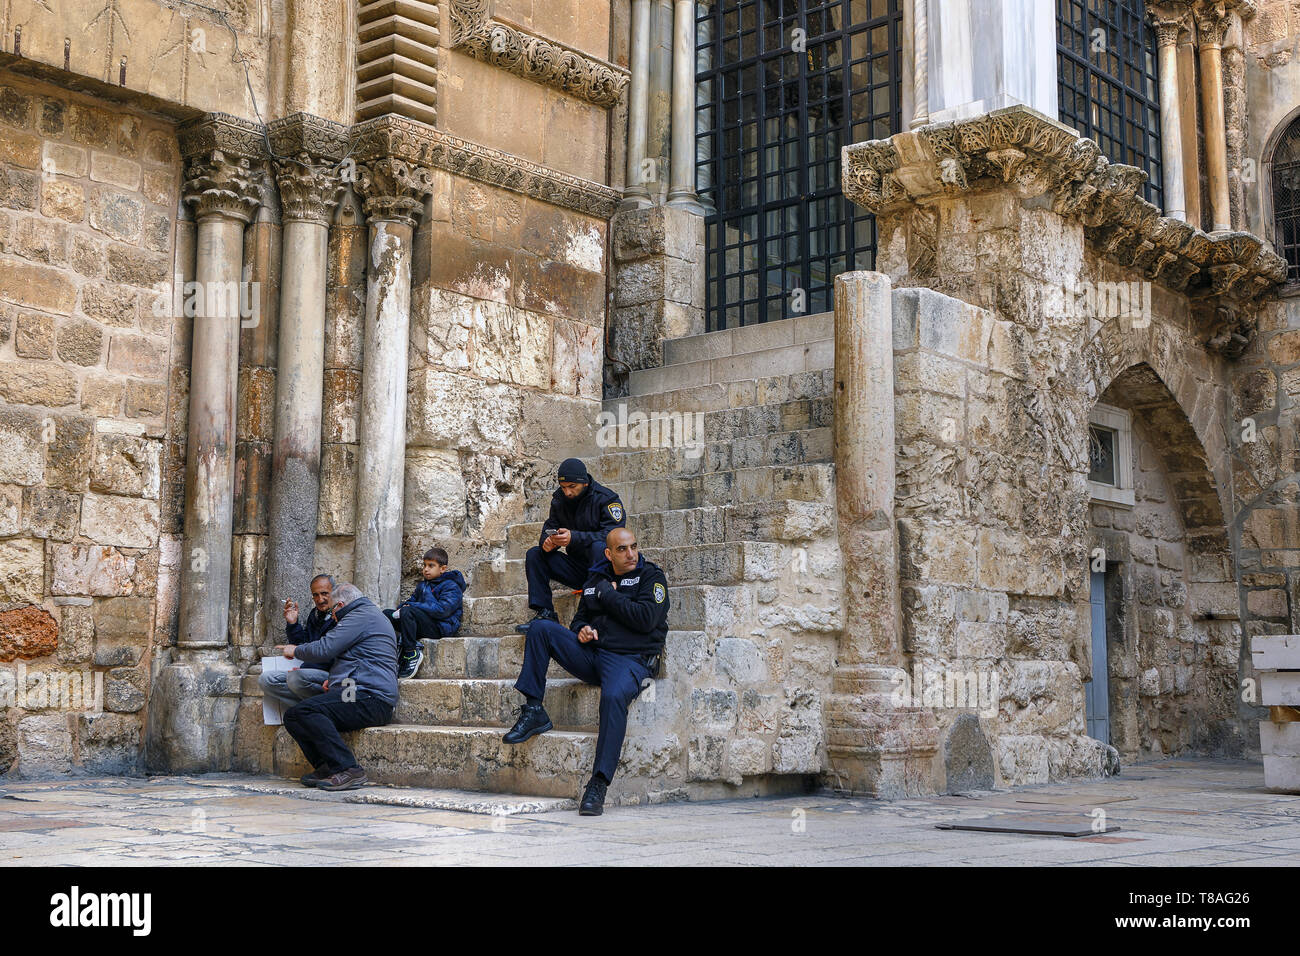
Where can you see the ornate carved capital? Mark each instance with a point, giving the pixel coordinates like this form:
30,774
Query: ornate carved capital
307,153
1032,155
1211,22
532,57
419,145
224,158
393,189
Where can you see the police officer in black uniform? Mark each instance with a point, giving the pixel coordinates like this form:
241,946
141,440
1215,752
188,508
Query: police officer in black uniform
583,512
615,641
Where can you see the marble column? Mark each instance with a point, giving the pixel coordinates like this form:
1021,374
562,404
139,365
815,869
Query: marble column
392,192
874,743
309,190
681,190
1167,28
196,691
637,195
1210,27
920,63
1188,127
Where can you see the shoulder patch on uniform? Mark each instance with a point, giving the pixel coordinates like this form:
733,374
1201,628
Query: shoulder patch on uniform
661,592
616,510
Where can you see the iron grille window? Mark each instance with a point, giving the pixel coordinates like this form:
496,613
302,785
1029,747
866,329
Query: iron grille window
1107,83
782,85
1286,200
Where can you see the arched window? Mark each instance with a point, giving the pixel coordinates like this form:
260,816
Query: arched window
1107,85
1286,199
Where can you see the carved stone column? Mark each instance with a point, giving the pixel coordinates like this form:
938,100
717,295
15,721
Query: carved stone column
393,193
309,190
1211,23
1168,24
1189,135
874,744
193,704
637,195
920,63
682,186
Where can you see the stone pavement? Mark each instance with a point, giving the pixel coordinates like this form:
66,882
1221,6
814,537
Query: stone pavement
1176,812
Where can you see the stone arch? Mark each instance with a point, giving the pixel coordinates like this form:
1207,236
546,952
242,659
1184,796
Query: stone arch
1171,599
1159,365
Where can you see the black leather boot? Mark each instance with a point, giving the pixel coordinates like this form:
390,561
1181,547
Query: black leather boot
593,798
532,721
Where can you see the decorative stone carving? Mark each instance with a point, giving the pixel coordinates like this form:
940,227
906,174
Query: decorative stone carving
393,189
534,58
419,145
223,166
1039,156
307,151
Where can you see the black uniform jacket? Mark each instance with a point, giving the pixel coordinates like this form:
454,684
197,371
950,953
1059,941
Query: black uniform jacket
629,612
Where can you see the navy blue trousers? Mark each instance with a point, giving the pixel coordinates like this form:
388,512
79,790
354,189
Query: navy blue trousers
543,567
619,677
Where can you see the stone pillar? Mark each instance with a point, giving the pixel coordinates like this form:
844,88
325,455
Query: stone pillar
1210,27
309,190
1190,139
1167,29
874,745
392,191
636,195
681,190
659,119
920,63
195,695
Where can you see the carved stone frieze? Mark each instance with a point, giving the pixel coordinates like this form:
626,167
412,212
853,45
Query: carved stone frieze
1037,156
474,32
419,145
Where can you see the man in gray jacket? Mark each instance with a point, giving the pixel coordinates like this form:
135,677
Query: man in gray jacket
361,690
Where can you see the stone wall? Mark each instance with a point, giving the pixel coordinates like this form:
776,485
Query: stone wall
88,194
994,389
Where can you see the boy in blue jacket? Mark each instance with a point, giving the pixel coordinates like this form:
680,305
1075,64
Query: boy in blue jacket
432,611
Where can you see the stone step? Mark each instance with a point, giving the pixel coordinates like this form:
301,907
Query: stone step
554,764
723,396
482,702
805,481
781,520
813,356
494,658
727,454
492,615
750,338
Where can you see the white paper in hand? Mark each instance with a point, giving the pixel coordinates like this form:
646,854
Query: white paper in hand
272,709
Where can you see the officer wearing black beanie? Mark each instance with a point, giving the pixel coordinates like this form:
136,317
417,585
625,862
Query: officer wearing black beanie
583,512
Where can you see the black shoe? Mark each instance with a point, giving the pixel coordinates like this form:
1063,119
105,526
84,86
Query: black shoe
409,663
593,798
541,616
532,721
348,779
312,779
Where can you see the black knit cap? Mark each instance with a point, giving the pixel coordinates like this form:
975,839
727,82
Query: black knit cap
571,469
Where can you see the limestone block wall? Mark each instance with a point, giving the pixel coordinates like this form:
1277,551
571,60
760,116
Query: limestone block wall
994,389
88,194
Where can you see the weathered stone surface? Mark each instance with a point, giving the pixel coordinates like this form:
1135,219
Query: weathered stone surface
44,744
22,572
126,465
121,521
122,630
27,632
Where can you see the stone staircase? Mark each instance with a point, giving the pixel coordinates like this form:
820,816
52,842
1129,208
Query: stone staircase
744,528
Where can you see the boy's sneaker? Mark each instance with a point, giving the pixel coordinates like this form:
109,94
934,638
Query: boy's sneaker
410,662
547,615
